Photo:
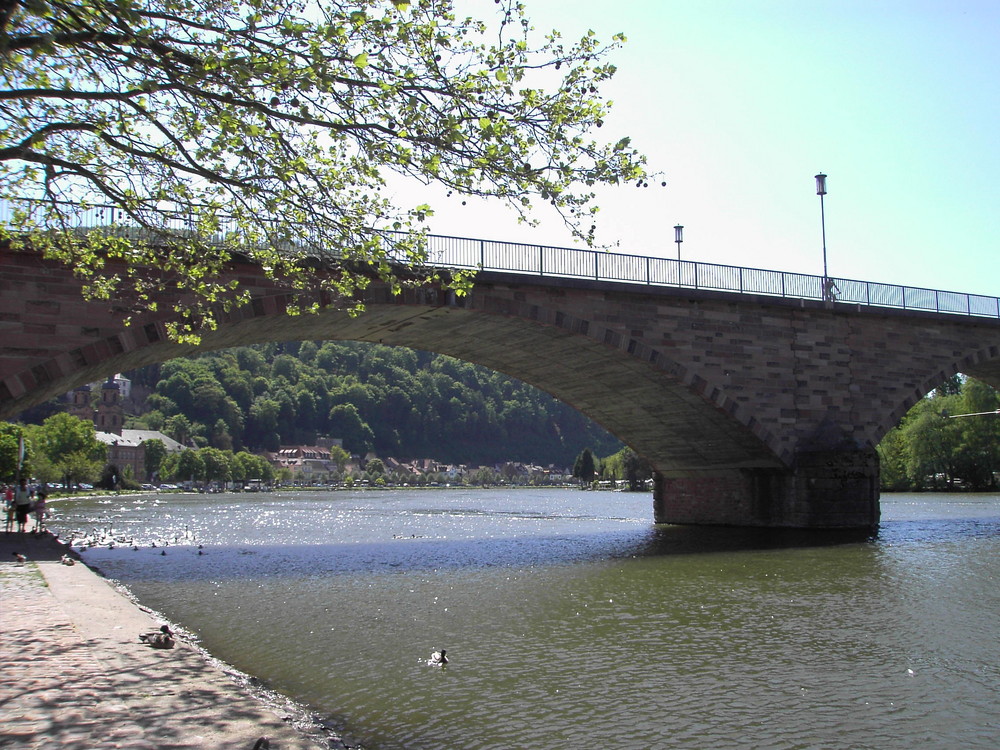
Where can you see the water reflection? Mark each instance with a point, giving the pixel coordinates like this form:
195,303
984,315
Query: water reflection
692,540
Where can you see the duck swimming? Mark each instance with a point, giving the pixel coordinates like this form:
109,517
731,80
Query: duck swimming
163,638
438,659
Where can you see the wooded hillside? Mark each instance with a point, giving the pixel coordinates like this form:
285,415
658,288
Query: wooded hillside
398,402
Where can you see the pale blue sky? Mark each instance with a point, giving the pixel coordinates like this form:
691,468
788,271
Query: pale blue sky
741,102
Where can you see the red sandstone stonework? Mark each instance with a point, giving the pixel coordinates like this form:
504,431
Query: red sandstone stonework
731,397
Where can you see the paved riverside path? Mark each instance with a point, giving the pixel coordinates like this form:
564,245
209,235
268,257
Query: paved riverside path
74,676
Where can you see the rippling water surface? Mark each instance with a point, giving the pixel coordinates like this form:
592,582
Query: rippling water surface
572,621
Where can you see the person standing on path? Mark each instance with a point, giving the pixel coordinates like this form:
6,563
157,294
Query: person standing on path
40,507
8,508
22,505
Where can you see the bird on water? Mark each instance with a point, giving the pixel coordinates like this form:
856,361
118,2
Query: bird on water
438,658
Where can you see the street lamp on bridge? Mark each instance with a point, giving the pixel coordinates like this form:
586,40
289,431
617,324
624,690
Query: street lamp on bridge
821,191
678,238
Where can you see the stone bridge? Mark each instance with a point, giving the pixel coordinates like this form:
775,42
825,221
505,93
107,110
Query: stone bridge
753,409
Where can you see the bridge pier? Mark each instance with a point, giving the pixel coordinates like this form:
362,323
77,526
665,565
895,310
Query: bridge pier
832,489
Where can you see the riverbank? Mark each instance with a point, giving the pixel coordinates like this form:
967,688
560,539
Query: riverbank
77,677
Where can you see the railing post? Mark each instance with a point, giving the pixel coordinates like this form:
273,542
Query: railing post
597,271
649,276
482,253
541,260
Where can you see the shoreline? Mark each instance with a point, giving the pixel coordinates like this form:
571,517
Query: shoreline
297,715
78,677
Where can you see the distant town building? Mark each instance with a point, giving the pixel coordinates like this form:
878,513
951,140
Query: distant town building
308,463
125,447
79,405
110,414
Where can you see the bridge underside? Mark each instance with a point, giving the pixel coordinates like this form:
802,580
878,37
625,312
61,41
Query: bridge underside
711,469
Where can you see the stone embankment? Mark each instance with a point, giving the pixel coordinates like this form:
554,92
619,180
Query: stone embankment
75,675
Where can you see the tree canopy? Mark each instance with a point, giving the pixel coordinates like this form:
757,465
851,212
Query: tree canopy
398,402
10,452
628,465
70,447
951,439
214,128
585,466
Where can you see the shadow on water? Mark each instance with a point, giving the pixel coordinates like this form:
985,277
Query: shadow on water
692,540
419,555
425,554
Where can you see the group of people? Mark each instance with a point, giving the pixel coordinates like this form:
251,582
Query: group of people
20,502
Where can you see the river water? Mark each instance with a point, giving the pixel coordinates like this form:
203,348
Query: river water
572,621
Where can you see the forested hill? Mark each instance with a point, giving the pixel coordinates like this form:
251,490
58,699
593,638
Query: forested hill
400,402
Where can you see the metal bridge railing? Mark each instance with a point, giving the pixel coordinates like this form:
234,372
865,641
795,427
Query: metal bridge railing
571,263
561,262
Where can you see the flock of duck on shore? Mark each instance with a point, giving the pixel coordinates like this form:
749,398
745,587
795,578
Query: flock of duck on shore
107,538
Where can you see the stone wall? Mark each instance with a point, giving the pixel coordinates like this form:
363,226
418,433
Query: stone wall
825,489
730,397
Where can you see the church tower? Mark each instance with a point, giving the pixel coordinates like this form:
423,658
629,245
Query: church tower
80,407
110,414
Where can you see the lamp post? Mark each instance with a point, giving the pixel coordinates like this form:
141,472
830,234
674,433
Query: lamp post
821,191
678,238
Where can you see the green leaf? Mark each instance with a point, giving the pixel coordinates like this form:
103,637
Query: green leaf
279,121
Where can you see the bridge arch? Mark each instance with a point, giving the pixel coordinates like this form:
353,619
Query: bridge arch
982,363
753,410
573,359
